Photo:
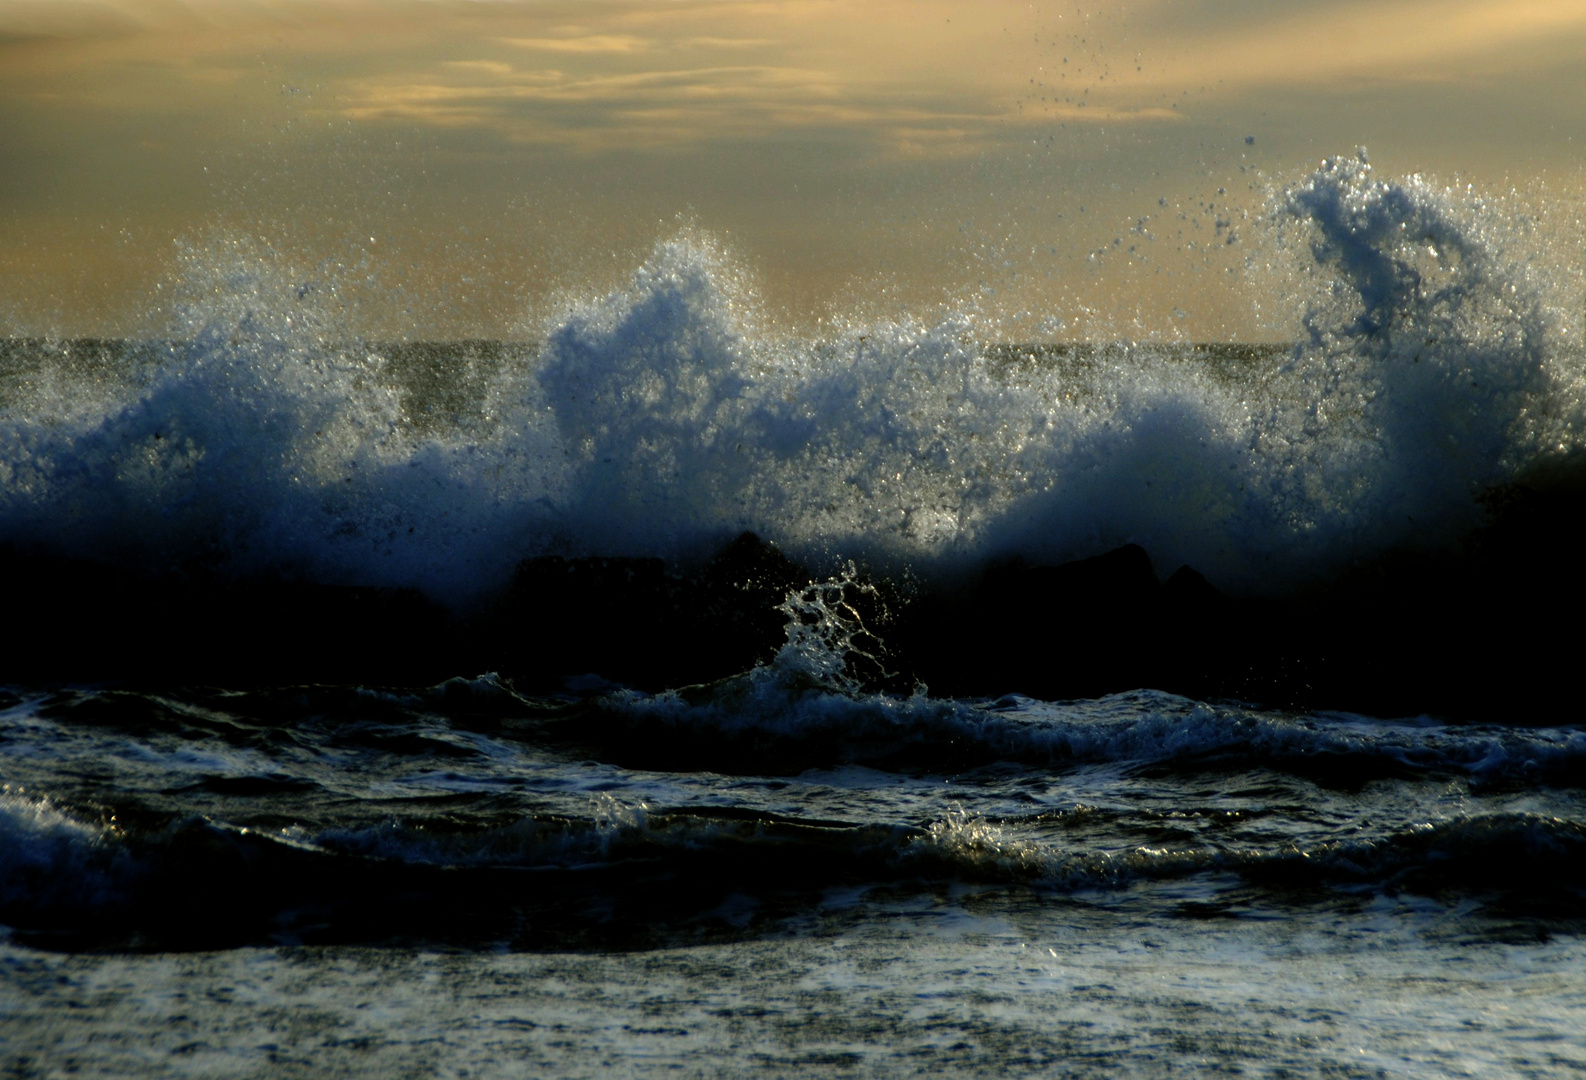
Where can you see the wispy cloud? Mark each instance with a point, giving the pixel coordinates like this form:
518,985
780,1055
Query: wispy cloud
485,67
903,77
587,43
728,42
650,108
927,75
621,44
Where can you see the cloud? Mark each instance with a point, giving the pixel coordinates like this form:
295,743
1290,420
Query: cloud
728,42
930,76
488,67
645,108
688,106
587,43
620,44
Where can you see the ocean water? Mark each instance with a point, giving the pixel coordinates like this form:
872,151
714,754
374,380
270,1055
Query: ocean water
814,864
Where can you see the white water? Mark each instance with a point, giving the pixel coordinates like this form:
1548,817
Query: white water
664,417
949,986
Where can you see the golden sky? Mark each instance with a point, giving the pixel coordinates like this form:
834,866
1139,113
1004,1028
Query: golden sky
459,163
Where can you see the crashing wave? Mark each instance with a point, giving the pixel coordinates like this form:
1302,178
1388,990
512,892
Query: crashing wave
663,418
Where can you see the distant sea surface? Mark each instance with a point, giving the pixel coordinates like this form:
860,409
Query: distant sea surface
435,799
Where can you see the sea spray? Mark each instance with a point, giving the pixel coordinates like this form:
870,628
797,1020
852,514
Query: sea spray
665,417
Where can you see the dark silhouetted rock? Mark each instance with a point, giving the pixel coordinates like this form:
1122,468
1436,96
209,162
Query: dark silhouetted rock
640,623
1487,631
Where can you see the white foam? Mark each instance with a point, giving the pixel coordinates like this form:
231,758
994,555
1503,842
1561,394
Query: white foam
665,417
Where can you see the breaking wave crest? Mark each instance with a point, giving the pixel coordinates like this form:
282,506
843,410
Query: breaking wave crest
664,417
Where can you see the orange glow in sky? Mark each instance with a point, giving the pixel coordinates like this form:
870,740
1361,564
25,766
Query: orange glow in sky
460,162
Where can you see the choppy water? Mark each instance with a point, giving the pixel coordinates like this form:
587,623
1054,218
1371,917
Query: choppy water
786,868
465,881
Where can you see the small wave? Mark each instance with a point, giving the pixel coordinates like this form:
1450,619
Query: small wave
1530,855
766,722
627,874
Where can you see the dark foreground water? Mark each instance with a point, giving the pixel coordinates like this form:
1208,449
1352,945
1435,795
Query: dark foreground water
328,881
